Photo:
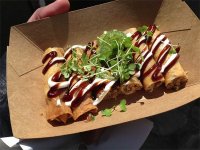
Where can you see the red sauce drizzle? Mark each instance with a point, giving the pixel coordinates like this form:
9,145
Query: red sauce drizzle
51,55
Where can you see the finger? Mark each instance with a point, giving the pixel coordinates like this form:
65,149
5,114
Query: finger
57,7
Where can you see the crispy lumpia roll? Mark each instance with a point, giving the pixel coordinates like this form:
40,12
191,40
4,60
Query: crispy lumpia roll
85,107
56,109
131,86
167,57
149,68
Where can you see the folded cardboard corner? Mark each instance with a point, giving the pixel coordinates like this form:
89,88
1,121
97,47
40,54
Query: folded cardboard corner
27,42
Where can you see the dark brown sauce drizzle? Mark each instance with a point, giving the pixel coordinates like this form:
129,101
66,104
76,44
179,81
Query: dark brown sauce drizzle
68,96
171,64
55,91
51,63
95,91
97,88
56,76
178,49
151,28
157,73
145,74
158,45
51,55
136,34
68,54
158,65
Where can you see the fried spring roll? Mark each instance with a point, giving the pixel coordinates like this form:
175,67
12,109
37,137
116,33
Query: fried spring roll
175,76
149,67
56,109
85,107
131,86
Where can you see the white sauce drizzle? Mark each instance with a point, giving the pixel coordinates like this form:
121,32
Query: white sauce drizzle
165,43
87,88
138,74
129,34
104,92
162,55
141,39
157,41
172,57
74,46
58,102
63,84
57,58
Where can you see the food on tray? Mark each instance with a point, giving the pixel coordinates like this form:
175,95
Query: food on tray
53,60
149,74
116,63
164,53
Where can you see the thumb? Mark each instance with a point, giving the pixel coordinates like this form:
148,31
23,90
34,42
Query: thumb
57,7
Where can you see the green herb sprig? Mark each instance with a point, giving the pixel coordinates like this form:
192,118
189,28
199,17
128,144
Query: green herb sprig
108,111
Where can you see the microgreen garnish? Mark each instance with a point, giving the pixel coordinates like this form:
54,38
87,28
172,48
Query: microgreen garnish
172,50
149,34
115,50
107,112
113,59
71,66
142,29
123,105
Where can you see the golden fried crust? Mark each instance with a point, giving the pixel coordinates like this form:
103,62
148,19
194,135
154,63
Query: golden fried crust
54,112
85,106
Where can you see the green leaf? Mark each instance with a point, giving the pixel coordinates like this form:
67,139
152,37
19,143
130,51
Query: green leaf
74,53
149,34
138,66
87,68
126,76
128,42
172,51
131,72
123,105
136,49
142,29
131,66
106,112
84,59
113,62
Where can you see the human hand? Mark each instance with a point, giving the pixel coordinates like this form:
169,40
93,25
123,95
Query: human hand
57,7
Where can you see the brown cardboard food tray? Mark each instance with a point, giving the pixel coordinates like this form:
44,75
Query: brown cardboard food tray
27,42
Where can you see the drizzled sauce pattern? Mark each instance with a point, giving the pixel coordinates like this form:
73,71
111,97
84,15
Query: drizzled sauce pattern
69,92
162,65
73,94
